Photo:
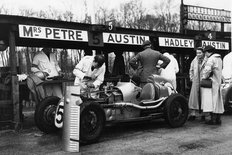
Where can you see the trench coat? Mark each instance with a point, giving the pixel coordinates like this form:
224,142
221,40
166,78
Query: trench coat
194,75
213,65
148,59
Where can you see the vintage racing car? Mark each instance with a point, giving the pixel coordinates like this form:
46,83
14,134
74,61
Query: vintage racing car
227,95
124,102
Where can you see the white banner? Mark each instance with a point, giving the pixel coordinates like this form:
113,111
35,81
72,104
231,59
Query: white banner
131,39
176,42
40,32
219,45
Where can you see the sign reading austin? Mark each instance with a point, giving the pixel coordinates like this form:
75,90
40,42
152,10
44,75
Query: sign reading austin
40,32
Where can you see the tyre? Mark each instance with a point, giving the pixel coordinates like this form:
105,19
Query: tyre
45,114
92,122
228,100
176,110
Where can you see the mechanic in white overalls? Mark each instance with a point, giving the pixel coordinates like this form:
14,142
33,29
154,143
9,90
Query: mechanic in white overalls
91,69
45,66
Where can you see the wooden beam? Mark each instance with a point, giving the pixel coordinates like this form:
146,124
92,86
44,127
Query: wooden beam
15,85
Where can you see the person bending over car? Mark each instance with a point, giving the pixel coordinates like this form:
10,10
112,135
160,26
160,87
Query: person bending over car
91,69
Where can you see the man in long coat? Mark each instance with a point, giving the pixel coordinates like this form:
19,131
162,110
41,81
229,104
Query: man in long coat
194,74
148,59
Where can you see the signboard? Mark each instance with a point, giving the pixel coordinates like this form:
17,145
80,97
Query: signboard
111,24
130,39
176,42
52,33
206,14
95,39
219,45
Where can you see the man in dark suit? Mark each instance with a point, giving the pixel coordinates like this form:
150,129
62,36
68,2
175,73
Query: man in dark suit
148,60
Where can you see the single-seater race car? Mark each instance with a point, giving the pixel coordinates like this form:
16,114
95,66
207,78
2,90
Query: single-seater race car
124,102
227,95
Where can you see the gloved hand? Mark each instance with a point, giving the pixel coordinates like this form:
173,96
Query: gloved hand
87,78
90,85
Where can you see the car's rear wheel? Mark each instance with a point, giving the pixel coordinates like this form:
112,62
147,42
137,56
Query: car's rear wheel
92,122
176,110
45,114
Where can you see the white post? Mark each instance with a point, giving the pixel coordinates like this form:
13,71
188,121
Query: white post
71,126
93,20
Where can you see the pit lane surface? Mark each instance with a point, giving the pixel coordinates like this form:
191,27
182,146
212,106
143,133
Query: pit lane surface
147,138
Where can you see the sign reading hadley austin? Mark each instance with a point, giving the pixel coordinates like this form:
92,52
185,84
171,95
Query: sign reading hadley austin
40,32
189,43
117,38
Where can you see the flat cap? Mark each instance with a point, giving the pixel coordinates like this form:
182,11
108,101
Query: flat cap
145,43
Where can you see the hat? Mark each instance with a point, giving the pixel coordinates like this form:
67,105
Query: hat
145,43
209,48
200,48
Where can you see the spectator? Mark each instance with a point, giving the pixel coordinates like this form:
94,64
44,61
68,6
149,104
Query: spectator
45,65
194,75
171,70
211,98
148,59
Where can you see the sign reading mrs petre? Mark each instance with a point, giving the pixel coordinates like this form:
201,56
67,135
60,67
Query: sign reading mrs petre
40,32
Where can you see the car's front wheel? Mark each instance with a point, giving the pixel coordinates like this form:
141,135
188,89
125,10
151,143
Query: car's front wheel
176,110
45,114
92,122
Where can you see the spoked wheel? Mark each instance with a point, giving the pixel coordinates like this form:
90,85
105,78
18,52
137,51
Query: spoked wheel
92,123
45,114
176,110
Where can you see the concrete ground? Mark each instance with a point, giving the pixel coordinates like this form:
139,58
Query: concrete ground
143,139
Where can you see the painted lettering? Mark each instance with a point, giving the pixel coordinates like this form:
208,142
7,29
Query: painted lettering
56,33
142,39
176,42
48,31
118,38
30,31
171,42
27,32
126,40
166,40
132,38
64,33
71,34
78,35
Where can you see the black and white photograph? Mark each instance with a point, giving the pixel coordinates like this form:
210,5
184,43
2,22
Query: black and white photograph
115,77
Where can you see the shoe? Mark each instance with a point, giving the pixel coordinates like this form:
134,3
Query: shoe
192,118
218,122
211,122
202,118
218,119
